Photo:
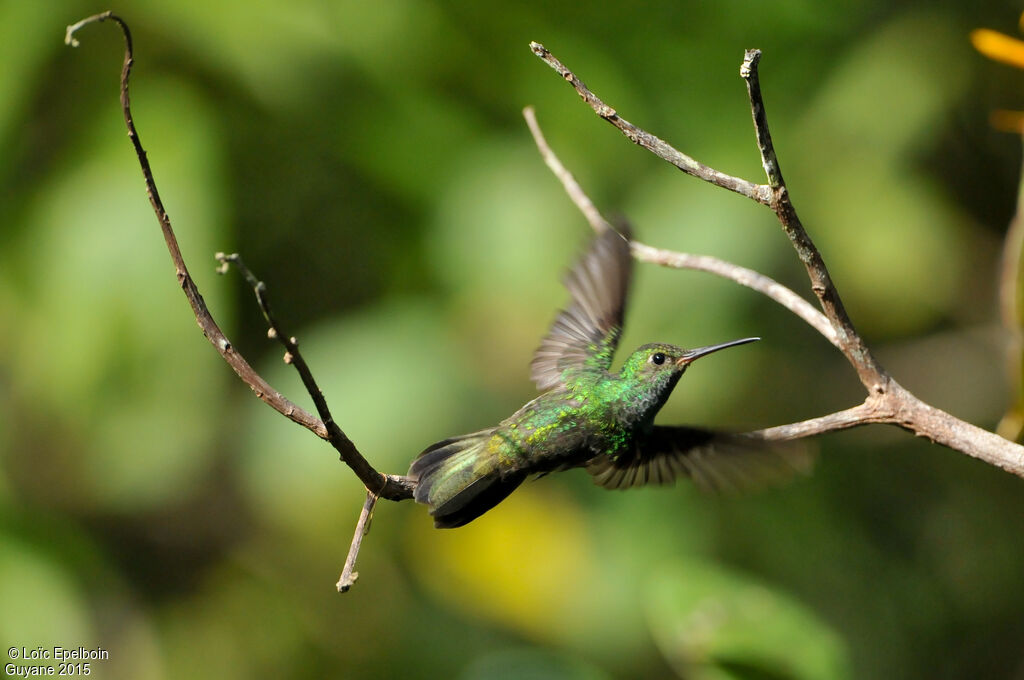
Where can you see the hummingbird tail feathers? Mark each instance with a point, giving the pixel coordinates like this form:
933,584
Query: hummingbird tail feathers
461,479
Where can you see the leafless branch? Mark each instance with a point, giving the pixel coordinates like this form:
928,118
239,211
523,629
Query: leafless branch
887,401
871,374
206,323
743,276
676,260
396,487
391,487
348,573
662,149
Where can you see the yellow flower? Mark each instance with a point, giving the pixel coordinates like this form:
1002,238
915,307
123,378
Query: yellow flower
998,46
1001,47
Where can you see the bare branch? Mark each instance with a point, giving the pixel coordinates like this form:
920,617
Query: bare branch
391,487
887,401
863,414
897,406
348,573
770,163
926,421
205,320
662,149
870,372
569,183
743,276
774,195
667,258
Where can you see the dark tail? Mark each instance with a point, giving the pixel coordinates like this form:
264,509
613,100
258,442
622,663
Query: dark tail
460,479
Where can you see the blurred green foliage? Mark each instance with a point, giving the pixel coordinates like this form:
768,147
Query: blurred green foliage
370,162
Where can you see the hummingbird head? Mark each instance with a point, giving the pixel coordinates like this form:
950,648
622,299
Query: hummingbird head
660,362
651,373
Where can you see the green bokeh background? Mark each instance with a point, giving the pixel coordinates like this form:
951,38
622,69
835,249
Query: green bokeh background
371,163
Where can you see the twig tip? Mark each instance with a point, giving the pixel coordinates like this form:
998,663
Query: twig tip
750,60
344,585
225,260
69,34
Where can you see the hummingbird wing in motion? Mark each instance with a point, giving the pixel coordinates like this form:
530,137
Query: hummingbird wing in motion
715,461
584,335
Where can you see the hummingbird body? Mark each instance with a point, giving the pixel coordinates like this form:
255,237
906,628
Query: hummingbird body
588,416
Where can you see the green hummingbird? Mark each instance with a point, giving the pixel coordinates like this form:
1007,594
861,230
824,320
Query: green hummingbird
588,416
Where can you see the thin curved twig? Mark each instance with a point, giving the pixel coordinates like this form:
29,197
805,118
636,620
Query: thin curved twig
745,277
755,192
673,259
392,487
210,329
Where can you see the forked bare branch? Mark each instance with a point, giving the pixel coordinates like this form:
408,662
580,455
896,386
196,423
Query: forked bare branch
887,401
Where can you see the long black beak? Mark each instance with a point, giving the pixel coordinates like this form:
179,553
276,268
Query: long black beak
691,355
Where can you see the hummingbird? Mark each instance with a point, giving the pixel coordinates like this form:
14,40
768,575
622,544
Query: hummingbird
588,416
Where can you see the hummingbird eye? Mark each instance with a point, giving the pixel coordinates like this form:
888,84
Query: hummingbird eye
658,358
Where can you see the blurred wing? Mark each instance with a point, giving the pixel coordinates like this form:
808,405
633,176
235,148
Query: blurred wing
716,461
584,335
